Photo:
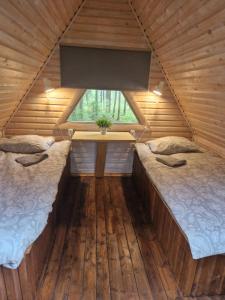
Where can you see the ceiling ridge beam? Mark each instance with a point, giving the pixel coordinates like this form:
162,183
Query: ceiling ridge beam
37,76
151,47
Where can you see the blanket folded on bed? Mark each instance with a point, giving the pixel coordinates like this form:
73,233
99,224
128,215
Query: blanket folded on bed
171,161
29,160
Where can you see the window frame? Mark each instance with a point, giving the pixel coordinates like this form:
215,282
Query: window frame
64,123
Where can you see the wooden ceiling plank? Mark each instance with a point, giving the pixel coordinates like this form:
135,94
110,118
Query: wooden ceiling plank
159,62
51,53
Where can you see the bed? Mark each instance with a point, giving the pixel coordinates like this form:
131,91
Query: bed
187,208
29,198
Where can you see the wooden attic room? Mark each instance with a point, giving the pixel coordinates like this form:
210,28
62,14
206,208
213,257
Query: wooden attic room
112,149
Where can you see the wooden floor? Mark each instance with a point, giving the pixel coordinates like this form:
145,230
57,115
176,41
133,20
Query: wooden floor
105,248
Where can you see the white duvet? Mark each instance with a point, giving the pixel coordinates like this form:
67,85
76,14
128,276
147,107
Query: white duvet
195,195
26,198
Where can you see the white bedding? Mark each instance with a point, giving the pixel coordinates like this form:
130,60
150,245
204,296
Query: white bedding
195,195
26,198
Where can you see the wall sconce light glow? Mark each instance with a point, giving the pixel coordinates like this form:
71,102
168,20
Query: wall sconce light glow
48,85
49,90
159,89
157,92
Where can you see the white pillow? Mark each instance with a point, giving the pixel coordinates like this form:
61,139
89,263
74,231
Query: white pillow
171,145
26,144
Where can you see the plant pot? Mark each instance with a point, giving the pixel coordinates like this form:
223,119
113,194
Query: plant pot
103,130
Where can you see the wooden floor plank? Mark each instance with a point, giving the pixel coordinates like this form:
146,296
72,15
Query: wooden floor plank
48,284
89,283
129,282
115,272
140,275
75,290
64,273
103,283
105,247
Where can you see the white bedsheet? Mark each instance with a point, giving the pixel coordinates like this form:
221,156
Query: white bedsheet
195,195
26,198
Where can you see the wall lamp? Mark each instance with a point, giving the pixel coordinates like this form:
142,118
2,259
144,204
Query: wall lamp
48,85
158,90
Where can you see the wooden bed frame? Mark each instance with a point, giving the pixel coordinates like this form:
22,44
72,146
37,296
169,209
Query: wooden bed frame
200,277
22,283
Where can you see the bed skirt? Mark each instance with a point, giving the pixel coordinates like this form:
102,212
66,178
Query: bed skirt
22,283
199,277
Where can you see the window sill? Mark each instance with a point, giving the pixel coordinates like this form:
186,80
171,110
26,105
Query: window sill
94,127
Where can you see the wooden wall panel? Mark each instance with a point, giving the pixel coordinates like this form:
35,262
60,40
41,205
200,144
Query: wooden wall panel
115,23
162,115
41,110
29,30
107,24
188,37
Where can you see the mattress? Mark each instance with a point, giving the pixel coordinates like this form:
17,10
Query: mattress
26,199
195,196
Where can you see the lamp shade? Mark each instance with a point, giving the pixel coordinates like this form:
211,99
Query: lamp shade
48,85
158,90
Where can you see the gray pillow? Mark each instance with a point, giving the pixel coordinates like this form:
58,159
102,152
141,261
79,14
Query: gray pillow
171,161
171,145
26,144
29,160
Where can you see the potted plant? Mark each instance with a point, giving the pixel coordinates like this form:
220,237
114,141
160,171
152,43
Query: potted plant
103,123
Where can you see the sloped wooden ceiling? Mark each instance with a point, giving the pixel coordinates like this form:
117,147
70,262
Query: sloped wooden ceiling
108,24
188,37
28,31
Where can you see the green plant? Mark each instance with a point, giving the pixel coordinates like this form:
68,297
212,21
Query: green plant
103,122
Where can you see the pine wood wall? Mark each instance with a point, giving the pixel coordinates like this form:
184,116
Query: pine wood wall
99,24
29,30
108,24
188,37
162,114
41,110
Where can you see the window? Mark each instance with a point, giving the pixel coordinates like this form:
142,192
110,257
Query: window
97,103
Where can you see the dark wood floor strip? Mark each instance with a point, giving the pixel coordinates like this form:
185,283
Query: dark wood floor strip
103,282
75,290
64,273
115,272
137,266
47,287
128,277
89,283
105,247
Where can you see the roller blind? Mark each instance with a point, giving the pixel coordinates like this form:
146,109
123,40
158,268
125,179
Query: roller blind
92,68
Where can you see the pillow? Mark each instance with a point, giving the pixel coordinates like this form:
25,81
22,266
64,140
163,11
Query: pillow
171,145
26,144
29,160
171,161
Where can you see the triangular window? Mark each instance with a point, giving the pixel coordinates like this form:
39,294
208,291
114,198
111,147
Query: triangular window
97,103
